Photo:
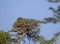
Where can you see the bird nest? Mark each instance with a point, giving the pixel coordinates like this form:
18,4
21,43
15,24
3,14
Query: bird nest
25,24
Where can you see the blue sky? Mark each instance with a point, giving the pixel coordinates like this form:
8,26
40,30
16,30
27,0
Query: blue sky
10,10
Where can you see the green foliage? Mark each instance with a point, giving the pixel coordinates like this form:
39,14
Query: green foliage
54,1
56,16
19,18
42,40
4,38
51,19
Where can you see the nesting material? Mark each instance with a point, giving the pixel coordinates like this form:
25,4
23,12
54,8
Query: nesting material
25,24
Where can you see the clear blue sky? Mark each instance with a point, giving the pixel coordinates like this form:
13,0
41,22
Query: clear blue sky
10,10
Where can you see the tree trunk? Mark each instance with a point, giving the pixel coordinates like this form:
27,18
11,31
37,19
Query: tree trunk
20,37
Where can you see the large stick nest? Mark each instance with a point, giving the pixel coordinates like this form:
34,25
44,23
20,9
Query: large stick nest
25,24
